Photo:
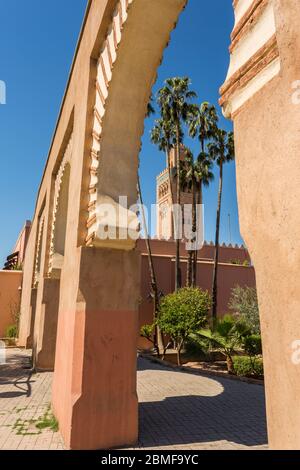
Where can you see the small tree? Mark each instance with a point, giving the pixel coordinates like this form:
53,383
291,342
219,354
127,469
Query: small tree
243,302
148,332
182,313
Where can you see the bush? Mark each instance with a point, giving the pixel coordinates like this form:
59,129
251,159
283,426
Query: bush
147,331
196,346
252,345
183,313
245,366
243,302
227,336
12,331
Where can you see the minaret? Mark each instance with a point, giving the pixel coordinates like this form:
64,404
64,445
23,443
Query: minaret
165,229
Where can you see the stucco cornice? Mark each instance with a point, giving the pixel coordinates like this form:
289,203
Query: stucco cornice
254,59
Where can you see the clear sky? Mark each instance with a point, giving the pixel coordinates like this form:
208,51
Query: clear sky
37,43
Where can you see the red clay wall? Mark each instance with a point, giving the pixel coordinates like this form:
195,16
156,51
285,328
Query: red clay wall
229,275
10,282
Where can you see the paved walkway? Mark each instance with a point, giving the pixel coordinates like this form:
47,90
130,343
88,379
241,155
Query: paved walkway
24,402
177,410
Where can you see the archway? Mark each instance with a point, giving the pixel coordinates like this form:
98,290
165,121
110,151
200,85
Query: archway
123,42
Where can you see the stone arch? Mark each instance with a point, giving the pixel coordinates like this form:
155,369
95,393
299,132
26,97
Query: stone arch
126,72
99,413
60,213
39,246
257,95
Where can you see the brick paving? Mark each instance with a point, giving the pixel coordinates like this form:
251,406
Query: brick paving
24,401
178,410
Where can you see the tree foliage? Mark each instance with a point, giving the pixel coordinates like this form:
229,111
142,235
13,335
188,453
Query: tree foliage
244,303
227,336
182,313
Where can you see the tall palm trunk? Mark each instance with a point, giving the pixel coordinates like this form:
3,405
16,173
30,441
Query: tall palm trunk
190,263
199,201
170,183
178,219
158,339
216,258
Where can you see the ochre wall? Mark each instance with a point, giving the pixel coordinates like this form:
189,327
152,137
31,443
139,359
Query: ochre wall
10,282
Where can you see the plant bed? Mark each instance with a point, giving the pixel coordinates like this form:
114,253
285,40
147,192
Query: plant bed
192,365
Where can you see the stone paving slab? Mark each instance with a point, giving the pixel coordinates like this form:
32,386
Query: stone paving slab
178,410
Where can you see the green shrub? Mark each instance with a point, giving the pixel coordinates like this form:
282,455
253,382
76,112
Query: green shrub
183,313
243,302
227,336
196,346
11,331
252,345
147,331
245,366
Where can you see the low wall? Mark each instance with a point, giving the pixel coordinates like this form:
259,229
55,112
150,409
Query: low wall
229,275
10,295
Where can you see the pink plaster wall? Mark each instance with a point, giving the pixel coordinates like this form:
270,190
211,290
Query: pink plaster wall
21,243
229,275
10,281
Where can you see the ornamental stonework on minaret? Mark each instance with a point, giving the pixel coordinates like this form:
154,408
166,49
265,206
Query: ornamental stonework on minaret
164,190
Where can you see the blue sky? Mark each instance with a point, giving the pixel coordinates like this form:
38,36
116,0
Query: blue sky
37,43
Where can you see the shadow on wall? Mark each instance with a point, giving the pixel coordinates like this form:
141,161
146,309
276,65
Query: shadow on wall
235,414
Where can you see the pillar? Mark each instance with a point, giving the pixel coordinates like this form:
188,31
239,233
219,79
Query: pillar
46,326
94,390
261,96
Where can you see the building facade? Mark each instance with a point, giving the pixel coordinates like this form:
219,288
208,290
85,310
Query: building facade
91,298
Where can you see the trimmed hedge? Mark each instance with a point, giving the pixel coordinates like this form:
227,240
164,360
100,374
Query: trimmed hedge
244,366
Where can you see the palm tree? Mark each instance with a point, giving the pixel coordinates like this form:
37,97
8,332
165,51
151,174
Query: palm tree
194,175
202,121
163,135
174,101
222,151
204,177
158,339
227,337
150,107
189,178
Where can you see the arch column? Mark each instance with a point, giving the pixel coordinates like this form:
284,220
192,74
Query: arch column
94,389
260,96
